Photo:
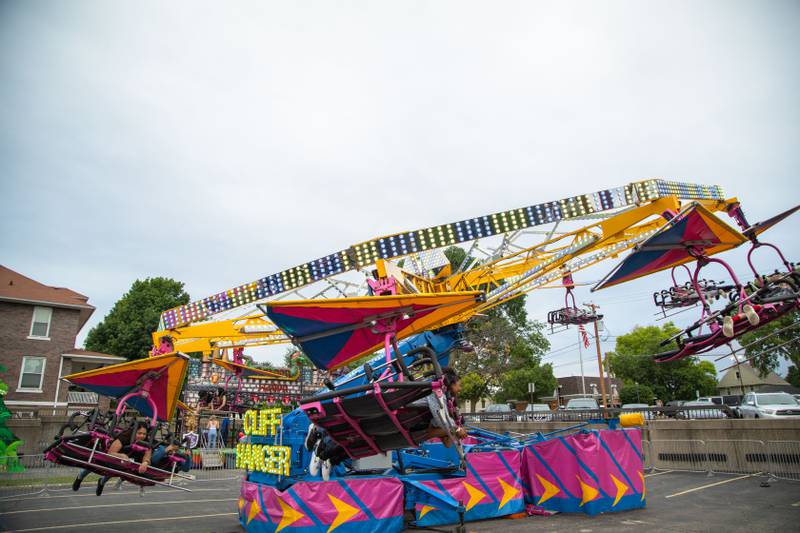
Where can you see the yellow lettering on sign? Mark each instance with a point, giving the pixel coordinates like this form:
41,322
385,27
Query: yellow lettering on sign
263,422
263,458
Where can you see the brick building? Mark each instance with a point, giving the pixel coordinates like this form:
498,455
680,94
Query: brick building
38,326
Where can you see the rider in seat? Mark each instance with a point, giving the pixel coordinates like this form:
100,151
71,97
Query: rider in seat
121,447
453,386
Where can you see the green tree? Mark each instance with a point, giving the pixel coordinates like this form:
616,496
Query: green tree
632,361
473,388
780,339
126,330
514,384
793,376
507,347
636,393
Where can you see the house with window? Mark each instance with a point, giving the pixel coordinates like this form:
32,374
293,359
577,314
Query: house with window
38,327
743,378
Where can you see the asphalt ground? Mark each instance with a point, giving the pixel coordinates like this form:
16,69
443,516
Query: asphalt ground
676,501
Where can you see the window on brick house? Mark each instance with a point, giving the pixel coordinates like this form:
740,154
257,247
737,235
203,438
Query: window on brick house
30,378
40,325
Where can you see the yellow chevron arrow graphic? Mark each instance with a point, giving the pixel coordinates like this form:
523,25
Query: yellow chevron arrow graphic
253,511
475,496
622,488
644,488
290,515
509,493
346,512
550,490
589,493
425,510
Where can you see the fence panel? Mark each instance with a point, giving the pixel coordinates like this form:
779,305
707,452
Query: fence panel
737,456
784,459
689,455
647,456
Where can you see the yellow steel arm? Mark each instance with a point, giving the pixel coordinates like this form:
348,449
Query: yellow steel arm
502,279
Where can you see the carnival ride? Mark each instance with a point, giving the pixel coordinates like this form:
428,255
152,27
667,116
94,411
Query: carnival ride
400,296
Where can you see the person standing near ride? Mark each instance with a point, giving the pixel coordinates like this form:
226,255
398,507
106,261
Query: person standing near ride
213,428
121,448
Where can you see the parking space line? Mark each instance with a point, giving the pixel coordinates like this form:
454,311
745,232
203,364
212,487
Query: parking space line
659,473
130,504
702,487
117,522
797,504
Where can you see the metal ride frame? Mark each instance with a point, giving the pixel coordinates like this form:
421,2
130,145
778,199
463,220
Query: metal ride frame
620,219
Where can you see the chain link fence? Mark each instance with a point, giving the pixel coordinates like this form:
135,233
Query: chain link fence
35,475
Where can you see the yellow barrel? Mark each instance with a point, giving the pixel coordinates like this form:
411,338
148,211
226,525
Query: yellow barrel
628,420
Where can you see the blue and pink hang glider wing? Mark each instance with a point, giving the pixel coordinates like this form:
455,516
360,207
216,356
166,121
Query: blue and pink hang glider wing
336,331
693,228
167,374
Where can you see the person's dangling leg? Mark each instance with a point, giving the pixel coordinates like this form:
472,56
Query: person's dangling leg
101,484
78,480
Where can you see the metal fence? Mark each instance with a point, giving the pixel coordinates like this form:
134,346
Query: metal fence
691,412
35,475
778,459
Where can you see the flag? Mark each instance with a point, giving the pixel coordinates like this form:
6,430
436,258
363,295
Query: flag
584,335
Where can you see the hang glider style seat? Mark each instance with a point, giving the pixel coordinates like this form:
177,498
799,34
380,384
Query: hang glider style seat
89,452
572,316
689,345
374,418
151,386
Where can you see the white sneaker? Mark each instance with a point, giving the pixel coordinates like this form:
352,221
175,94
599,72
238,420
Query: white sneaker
326,470
751,315
313,466
727,326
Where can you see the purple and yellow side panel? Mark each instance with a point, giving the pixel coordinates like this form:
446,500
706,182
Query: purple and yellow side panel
369,505
491,488
590,472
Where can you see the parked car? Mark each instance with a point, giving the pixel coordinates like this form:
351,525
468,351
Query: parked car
572,411
498,412
539,412
697,414
630,408
769,405
582,403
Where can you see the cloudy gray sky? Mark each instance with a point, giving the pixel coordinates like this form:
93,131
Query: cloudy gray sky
218,142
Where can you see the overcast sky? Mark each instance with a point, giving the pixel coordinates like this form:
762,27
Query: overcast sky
218,142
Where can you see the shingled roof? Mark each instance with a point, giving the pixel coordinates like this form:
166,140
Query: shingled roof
14,287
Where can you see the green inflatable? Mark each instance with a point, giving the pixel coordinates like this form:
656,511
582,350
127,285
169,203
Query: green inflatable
9,462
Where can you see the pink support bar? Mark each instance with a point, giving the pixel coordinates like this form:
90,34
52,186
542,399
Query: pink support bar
392,415
353,424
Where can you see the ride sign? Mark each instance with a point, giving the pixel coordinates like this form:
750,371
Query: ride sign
263,457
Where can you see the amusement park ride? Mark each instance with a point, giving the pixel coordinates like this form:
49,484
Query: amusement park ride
357,454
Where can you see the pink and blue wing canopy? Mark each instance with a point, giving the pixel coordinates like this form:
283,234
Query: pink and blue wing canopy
337,331
168,375
670,246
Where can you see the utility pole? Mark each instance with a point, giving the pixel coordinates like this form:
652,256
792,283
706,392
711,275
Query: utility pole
594,308
580,356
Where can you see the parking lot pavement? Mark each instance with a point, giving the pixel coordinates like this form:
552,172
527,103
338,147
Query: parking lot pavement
676,501
682,501
210,507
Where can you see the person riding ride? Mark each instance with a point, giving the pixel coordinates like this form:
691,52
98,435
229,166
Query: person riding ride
122,448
